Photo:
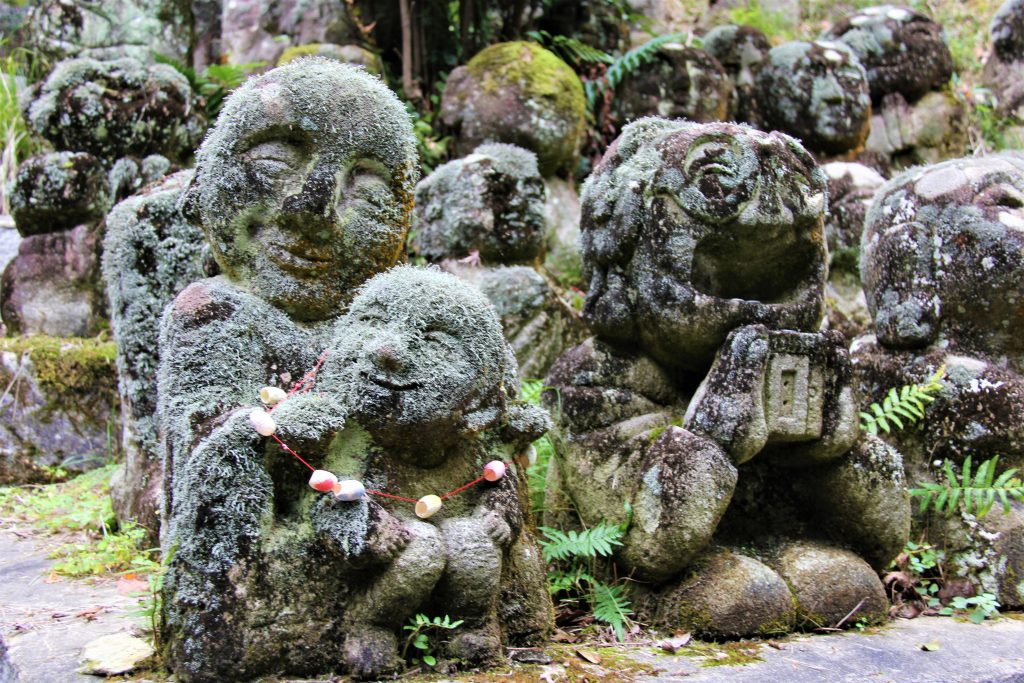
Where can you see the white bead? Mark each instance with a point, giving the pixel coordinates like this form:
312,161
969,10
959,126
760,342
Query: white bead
262,422
349,490
271,396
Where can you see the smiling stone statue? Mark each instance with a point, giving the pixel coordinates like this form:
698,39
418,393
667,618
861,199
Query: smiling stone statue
304,190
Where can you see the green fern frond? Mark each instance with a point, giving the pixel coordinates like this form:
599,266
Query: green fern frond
903,406
530,391
611,606
575,53
595,541
576,580
628,63
977,493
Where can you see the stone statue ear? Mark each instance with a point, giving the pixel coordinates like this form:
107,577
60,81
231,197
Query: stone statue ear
525,423
188,202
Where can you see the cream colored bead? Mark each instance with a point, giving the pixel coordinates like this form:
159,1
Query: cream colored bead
271,396
349,490
427,506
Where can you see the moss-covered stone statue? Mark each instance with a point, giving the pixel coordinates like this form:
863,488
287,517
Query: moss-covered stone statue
708,401
424,384
482,218
521,94
817,92
742,51
304,189
942,263
908,64
151,252
676,82
297,216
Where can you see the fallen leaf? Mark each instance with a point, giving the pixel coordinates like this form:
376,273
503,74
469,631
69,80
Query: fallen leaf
561,636
129,586
91,613
772,643
673,644
52,578
589,655
932,646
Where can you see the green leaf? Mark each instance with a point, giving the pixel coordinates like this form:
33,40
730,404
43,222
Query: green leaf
611,606
429,660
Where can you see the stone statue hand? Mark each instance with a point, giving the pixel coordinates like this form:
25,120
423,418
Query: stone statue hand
360,532
495,526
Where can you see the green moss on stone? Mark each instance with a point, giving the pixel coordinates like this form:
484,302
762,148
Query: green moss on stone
68,369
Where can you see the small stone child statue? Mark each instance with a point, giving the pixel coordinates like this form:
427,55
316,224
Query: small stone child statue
420,385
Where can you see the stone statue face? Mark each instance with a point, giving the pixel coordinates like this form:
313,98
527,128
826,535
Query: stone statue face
902,50
943,252
817,92
690,230
418,351
304,186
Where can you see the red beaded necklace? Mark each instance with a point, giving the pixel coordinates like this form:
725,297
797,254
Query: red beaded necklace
350,489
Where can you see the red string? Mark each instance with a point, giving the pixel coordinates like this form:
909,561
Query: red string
391,495
285,447
308,378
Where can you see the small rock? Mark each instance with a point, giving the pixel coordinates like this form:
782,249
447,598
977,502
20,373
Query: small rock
115,654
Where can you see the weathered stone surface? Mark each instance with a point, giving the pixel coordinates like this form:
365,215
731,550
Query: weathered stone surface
490,202
9,242
53,287
537,321
348,54
816,92
150,254
861,500
55,192
678,82
115,655
8,674
742,51
770,388
261,30
116,108
931,130
522,94
828,583
728,595
653,200
942,257
60,407
902,50
110,29
562,218
128,175
851,187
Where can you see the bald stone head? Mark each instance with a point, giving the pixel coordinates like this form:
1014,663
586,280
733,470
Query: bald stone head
943,256
816,92
304,186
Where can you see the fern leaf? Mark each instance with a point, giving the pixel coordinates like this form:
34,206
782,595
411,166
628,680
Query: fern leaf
611,606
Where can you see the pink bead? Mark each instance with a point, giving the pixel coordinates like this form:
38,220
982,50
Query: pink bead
323,481
494,470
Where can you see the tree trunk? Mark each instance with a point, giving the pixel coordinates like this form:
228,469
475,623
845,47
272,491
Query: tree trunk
409,84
